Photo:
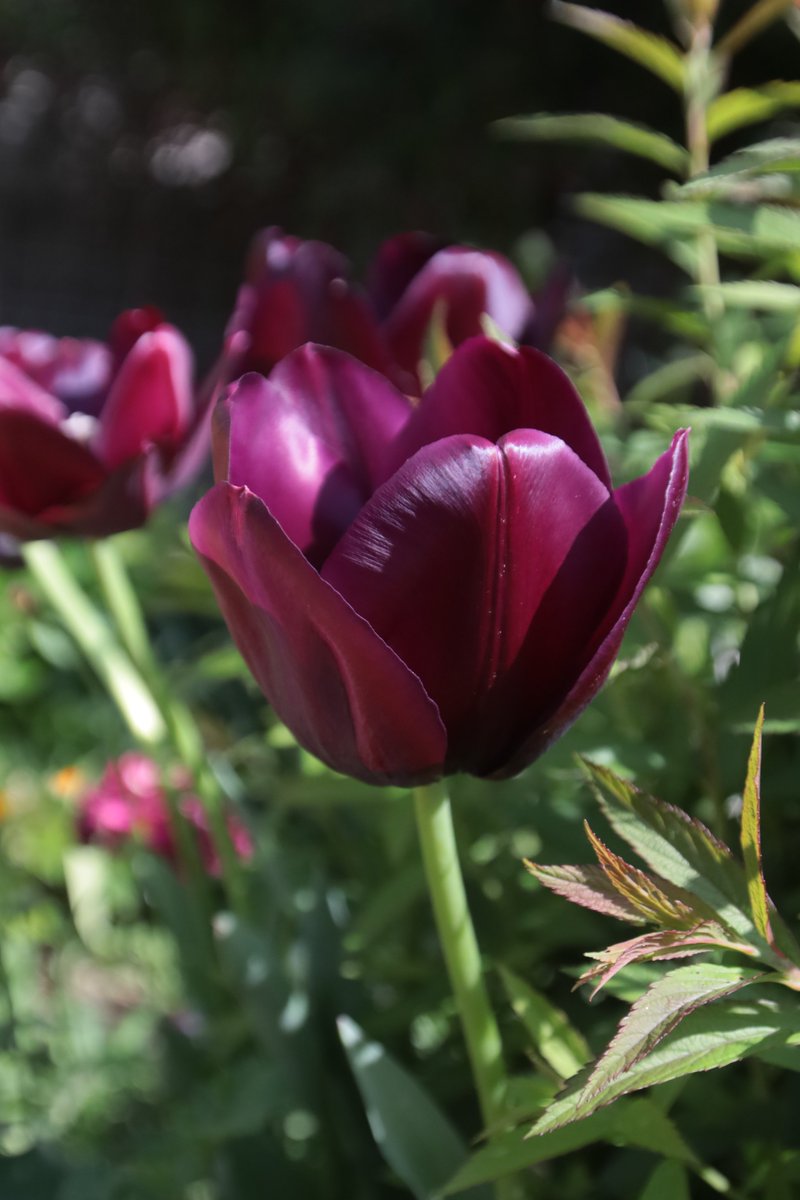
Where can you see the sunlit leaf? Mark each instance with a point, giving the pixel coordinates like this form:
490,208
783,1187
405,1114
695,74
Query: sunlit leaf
653,52
598,129
650,1020
587,886
658,946
751,835
745,106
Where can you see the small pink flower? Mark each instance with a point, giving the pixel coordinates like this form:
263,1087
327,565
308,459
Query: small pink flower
129,803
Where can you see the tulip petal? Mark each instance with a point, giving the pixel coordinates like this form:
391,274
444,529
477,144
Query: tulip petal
649,506
467,283
488,389
342,691
309,441
40,466
18,391
396,263
451,558
150,401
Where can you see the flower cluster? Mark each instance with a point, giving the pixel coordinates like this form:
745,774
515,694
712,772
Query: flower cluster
129,803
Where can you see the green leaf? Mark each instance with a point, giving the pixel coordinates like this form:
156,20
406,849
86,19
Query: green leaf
758,16
737,229
633,1123
650,1020
677,847
599,129
559,1044
669,1181
764,294
751,835
651,51
413,1135
746,106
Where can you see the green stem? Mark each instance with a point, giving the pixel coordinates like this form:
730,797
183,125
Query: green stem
460,946
79,616
126,611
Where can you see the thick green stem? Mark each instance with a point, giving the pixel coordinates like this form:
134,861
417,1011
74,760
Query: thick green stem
460,946
79,616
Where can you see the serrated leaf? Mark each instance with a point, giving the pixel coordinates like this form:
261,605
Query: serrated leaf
559,1044
737,229
650,1020
745,106
677,847
658,946
413,1135
669,1181
636,1123
751,836
655,900
651,51
587,886
597,129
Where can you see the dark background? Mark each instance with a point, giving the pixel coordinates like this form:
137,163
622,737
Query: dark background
141,144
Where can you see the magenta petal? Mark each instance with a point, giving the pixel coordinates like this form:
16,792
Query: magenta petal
150,401
396,263
343,693
488,389
467,284
40,466
451,558
309,441
649,506
19,392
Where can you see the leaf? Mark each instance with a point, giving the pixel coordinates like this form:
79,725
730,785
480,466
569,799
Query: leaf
737,229
745,106
677,847
651,51
600,129
759,16
655,900
416,1139
764,294
631,1122
650,1020
587,886
657,946
751,836
559,1044
668,1182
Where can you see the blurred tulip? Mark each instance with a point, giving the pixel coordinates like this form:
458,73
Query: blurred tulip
92,436
301,291
431,588
129,803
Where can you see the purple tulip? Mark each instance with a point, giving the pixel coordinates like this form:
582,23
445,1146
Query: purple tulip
301,291
426,589
92,436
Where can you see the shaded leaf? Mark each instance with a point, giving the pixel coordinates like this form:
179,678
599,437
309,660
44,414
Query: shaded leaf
669,1181
651,51
650,1020
559,1044
413,1135
597,129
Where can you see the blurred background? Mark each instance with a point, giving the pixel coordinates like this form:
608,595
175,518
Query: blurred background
142,144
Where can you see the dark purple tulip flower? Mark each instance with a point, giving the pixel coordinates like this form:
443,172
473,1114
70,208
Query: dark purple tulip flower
301,291
431,588
93,435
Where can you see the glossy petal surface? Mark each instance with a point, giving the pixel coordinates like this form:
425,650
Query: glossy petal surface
467,283
489,390
309,441
345,695
452,558
150,401
649,507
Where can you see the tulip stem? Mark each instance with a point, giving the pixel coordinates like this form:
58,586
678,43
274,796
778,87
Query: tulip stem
459,946
124,607
95,638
